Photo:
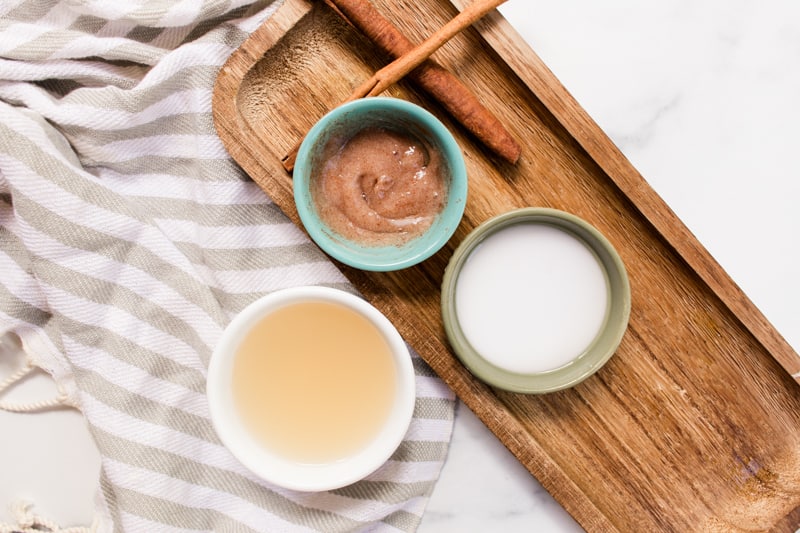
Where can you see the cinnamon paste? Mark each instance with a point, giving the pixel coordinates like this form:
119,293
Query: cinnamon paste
380,187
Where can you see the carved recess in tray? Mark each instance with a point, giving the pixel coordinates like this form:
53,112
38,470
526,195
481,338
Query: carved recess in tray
693,425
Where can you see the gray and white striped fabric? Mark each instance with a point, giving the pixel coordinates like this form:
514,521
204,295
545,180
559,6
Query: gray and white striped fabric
128,240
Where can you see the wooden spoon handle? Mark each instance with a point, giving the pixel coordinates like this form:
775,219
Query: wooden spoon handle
454,96
394,71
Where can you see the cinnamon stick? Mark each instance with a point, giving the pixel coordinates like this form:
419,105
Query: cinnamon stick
440,83
453,95
408,61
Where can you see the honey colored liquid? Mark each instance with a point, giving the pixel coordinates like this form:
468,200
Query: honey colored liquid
314,381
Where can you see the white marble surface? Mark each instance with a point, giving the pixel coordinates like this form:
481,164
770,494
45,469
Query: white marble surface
701,97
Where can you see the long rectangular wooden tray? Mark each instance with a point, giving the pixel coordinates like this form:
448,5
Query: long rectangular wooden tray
694,424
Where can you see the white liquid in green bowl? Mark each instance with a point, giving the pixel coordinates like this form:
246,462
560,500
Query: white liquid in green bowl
531,298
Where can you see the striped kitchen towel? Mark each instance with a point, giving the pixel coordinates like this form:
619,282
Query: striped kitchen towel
128,240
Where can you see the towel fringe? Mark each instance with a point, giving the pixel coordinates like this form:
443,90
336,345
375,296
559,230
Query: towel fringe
62,399
28,522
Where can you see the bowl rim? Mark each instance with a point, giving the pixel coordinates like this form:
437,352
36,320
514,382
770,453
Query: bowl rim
596,354
389,257
288,473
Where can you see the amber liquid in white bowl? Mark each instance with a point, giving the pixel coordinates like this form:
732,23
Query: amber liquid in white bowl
314,381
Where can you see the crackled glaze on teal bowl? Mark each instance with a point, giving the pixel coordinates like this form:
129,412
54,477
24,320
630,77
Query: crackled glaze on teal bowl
346,120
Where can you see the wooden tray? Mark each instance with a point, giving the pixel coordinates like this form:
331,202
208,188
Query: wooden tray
694,424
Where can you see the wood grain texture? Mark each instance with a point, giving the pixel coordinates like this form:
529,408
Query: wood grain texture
694,424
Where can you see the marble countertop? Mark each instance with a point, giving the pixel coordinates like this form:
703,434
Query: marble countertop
701,97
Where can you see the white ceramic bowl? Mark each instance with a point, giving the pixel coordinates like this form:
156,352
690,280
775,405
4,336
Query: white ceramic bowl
274,467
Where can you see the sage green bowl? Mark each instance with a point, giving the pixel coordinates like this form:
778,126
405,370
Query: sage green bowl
586,363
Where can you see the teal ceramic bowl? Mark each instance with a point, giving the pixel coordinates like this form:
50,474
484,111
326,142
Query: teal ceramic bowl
394,114
525,310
